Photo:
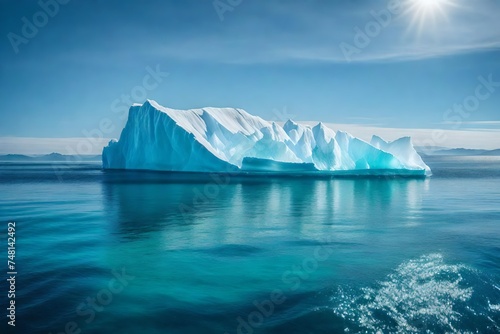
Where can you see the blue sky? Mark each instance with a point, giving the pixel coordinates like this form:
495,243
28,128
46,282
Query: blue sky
273,58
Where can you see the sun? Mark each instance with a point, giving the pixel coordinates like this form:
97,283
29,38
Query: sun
426,13
428,4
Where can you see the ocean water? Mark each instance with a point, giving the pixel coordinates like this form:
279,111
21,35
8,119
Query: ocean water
118,252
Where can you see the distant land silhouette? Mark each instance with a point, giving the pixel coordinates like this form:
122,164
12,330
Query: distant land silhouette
92,158
50,157
456,151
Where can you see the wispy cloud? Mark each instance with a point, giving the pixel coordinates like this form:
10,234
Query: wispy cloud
487,125
295,31
483,122
30,145
316,35
466,138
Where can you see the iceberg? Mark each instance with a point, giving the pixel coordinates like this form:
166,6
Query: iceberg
230,140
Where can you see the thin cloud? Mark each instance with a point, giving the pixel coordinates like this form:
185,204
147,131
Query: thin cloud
67,146
464,138
316,35
484,122
488,124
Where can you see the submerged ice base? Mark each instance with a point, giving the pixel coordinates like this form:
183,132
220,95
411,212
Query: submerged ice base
228,140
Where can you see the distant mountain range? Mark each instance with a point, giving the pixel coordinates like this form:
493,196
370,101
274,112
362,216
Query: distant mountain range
50,157
456,151
90,158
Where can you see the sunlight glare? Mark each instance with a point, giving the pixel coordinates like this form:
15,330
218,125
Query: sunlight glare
423,11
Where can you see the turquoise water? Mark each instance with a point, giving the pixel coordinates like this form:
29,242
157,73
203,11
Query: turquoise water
221,254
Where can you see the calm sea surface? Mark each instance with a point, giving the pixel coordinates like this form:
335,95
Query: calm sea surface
118,252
